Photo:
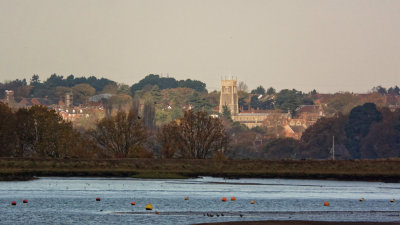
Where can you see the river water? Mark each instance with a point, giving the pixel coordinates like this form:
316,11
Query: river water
73,201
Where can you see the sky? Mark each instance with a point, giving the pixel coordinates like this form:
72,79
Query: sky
330,46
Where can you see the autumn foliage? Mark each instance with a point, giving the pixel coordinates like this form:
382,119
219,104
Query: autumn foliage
121,135
195,136
39,132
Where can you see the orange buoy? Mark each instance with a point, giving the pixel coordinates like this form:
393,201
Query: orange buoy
223,199
133,203
25,201
252,202
13,203
157,212
186,198
97,199
392,200
233,199
326,203
362,199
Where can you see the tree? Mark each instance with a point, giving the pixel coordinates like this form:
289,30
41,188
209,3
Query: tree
396,90
82,92
289,100
166,136
226,112
149,113
254,103
243,100
7,129
379,89
176,113
199,103
271,91
61,91
193,84
259,90
121,101
342,102
259,130
51,133
259,103
242,145
54,80
358,125
243,87
243,104
280,148
123,89
383,139
313,94
167,82
155,94
25,134
195,136
37,131
110,89
316,141
35,80
70,80
121,135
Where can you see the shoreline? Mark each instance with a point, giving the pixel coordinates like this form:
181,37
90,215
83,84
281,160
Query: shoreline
300,222
21,169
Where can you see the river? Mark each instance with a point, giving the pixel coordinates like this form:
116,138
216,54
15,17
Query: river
53,200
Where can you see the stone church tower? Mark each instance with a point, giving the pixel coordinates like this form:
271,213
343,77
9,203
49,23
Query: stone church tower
229,96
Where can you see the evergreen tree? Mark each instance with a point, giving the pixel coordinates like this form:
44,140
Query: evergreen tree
358,126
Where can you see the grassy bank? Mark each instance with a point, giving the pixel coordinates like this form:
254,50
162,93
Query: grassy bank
369,170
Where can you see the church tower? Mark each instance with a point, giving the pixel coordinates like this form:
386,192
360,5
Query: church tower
229,96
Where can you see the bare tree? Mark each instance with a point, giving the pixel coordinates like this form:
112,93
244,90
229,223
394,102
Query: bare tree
167,136
243,87
121,134
195,136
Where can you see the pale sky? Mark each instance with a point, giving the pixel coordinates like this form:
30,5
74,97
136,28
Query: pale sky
340,45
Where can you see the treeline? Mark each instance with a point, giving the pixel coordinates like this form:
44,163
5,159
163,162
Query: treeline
285,100
289,100
167,83
390,91
56,86
40,132
365,133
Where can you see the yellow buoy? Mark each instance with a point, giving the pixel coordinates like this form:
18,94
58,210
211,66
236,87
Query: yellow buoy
252,202
186,198
149,207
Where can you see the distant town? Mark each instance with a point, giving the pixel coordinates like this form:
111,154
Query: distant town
256,121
